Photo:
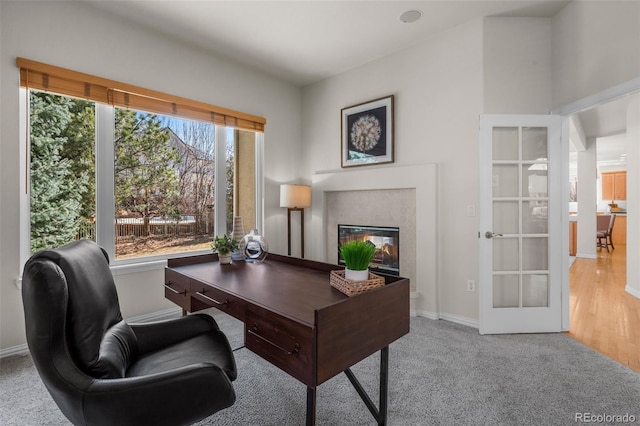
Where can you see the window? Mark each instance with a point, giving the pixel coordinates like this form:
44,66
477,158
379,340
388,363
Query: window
140,183
164,171
62,170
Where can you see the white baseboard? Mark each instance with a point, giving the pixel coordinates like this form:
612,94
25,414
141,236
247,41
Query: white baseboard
587,256
156,316
427,314
469,322
632,291
22,350
412,303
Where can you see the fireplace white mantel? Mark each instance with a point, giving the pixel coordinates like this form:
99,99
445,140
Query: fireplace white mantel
423,179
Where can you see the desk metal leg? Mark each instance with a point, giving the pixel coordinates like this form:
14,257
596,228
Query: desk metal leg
311,406
379,414
384,385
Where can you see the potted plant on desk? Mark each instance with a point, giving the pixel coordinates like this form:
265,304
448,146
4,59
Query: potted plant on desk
224,245
357,256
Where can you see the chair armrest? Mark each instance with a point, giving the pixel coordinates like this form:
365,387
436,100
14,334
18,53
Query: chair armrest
180,396
156,335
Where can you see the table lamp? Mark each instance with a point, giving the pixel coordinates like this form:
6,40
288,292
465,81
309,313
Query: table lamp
295,198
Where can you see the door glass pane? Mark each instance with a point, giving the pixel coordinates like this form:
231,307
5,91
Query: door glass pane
534,217
505,217
535,254
506,293
505,254
535,291
534,143
505,180
534,180
505,143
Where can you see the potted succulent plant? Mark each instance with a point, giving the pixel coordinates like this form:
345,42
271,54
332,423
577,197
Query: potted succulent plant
357,256
224,245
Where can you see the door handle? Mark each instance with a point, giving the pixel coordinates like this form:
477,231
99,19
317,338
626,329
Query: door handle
489,235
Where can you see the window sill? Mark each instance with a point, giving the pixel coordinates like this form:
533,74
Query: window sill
133,266
146,264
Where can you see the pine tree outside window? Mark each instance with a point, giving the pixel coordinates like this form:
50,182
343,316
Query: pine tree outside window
164,184
62,170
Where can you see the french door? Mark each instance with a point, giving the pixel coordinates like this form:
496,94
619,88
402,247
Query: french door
521,223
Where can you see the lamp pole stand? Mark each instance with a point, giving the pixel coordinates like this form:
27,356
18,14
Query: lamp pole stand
301,210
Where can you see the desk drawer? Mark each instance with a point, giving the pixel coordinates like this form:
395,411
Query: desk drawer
281,341
213,297
176,289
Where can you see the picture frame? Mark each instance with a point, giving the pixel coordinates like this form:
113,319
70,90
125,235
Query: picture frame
368,133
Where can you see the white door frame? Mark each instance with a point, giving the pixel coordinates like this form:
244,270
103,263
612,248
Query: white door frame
599,98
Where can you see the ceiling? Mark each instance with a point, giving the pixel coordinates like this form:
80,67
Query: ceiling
607,123
605,120
306,41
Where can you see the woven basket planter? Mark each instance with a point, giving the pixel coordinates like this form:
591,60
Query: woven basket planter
352,288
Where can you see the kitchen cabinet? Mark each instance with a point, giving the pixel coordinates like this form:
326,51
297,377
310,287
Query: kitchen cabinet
614,185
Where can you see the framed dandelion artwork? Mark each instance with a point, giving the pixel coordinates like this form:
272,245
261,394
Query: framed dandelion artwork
367,133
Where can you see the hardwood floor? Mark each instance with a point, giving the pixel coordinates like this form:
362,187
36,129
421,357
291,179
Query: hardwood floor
603,315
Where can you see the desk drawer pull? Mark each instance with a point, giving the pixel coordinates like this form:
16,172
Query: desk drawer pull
168,286
254,331
201,294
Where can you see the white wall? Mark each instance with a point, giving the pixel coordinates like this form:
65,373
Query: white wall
517,65
596,45
74,35
438,96
441,86
633,197
587,172
500,65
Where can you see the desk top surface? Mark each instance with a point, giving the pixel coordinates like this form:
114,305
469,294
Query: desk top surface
294,288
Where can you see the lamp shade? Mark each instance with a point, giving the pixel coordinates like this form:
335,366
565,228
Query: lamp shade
295,196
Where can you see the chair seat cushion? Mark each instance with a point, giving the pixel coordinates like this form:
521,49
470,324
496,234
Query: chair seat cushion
210,347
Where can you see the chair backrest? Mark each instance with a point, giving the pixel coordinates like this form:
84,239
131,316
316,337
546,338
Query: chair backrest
611,222
74,326
602,222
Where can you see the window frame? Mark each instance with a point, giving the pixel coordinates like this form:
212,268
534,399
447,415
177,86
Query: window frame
105,189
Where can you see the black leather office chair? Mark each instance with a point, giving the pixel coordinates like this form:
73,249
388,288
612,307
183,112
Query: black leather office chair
101,370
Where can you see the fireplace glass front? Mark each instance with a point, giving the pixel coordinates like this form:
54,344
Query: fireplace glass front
386,239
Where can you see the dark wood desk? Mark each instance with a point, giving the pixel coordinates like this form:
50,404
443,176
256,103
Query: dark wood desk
294,318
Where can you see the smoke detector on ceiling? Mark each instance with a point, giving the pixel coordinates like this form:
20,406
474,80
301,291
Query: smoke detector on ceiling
411,16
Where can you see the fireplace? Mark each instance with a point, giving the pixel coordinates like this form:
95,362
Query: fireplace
386,240
409,195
